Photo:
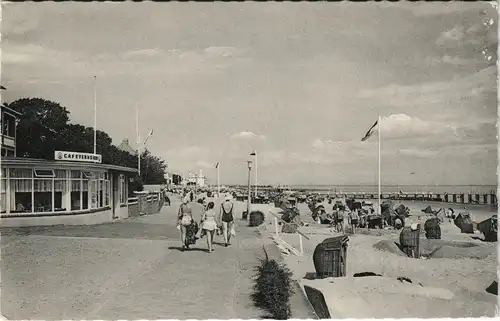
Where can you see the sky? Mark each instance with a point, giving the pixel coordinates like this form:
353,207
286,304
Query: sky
301,83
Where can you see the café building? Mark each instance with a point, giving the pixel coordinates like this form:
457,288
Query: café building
73,189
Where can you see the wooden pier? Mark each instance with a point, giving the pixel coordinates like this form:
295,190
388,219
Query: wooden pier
488,199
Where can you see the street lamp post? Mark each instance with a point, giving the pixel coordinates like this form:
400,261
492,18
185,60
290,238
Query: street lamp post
249,197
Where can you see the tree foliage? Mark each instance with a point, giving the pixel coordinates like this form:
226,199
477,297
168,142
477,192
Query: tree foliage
44,127
176,179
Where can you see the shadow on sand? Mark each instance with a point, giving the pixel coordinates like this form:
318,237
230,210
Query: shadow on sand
193,249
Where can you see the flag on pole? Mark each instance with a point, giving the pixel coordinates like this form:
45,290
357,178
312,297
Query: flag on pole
149,135
370,131
217,165
253,153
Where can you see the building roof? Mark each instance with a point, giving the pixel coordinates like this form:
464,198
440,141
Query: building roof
125,146
10,110
32,162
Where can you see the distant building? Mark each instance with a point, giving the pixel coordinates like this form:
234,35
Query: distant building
8,119
168,178
195,179
125,146
201,179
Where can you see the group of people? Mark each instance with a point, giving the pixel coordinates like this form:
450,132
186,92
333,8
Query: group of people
339,219
210,223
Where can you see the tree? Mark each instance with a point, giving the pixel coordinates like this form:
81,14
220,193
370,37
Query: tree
152,169
45,128
176,179
39,127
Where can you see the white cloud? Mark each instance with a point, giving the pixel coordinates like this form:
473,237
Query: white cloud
448,100
204,164
402,125
452,60
37,62
320,143
247,135
455,34
145,53
188,158
222,51
417,152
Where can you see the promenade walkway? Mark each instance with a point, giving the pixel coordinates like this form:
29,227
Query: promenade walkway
130,269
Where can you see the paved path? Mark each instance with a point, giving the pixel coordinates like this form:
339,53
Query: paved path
131,269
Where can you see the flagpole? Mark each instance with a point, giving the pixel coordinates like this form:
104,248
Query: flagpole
138,140
256,177
379,165
95,115
218,180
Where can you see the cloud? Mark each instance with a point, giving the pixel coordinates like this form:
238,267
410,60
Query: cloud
222,51
187,157
247,135
452,60
471,41
473,95
402,125
446,151
188,151
39,61
453,35
143,53
417,152
439,8
320,143
204,164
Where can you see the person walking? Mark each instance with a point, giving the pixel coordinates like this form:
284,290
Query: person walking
184,222
227,220
354,220
166,198
209,224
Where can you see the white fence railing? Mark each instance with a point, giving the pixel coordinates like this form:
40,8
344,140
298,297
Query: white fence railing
282,243
132,200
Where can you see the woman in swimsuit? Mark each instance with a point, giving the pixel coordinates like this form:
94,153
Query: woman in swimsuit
209,224
227,219
184,220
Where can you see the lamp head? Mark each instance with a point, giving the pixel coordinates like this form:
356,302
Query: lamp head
249,164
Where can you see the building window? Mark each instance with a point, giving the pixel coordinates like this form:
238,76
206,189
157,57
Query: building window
44,173
47,190
42,195
3,191
8,125
122,189
93,193
21,190
7,152
21,173
60,191
76,189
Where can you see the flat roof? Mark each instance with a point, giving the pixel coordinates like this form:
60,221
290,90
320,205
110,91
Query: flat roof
10,110
32,162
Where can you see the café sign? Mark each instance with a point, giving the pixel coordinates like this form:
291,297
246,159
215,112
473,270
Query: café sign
77,157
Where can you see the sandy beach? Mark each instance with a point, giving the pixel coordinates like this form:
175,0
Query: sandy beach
451,283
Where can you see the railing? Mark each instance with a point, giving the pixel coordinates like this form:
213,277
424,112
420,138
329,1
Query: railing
132,200
277,238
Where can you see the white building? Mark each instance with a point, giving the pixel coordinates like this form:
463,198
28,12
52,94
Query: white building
195,179
201,179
